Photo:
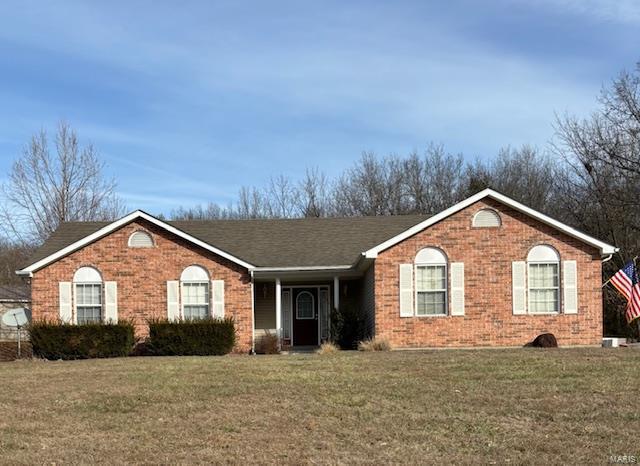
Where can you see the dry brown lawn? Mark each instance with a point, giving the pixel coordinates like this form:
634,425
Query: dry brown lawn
516,406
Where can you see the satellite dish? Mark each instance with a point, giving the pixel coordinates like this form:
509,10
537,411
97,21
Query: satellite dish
17,317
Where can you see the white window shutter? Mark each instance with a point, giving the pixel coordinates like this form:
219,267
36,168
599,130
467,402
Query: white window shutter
519,283
217,294
111,302
457,288
570,287
173,300
66,314
406,290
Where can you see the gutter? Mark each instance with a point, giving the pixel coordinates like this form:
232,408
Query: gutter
301,269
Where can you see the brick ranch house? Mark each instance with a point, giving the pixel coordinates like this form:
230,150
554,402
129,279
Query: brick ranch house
488,271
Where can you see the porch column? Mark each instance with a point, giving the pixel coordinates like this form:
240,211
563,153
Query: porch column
278,311
336,292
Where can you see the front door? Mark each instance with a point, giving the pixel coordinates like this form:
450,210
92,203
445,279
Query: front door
305,316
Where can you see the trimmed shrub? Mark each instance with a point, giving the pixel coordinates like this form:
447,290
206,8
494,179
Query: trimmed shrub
201,337
267,344
56,340
347,326
374,344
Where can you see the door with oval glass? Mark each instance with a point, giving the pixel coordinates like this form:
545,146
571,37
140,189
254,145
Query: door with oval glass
305,316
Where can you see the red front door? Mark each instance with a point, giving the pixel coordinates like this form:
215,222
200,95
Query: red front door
305,316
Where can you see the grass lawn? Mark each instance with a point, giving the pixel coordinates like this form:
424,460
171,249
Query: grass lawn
520,405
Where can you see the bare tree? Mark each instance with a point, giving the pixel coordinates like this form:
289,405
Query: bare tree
612,134
372,187
394,185
313,194
443,179
251,203
525,174
44,189
281,197
12,257
600,190
210,211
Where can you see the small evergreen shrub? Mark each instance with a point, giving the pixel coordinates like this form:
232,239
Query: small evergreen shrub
267,344
201,337
57,340
347,326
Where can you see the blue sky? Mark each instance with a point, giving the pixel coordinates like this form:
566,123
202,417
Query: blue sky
188,101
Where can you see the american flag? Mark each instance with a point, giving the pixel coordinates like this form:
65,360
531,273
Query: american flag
627,282
633,308
623,278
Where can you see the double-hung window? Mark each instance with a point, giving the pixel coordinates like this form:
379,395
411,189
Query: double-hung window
88,295
88,302
544,280
431,283
195,297
195,293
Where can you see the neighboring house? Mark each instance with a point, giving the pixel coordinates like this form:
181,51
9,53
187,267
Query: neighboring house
11,297
488,271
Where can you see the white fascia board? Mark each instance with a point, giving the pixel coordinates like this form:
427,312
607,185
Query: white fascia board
119,223
605,248
302,269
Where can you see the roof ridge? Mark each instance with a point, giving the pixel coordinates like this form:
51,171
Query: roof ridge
298,219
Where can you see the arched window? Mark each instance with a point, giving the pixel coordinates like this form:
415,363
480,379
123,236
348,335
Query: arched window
486,218
304,306
195,292
543,263
140,239
87,283
431,282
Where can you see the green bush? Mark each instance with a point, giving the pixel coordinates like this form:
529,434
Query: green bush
191,337
347,326
55,340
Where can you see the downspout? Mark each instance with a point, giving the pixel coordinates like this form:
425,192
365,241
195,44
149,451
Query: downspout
253,316
608,258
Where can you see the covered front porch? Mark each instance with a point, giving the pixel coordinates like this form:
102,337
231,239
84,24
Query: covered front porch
297,307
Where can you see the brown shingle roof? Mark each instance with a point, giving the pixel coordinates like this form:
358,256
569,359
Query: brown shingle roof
270,243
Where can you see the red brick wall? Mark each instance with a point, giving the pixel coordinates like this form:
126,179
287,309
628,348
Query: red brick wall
142,273
487,254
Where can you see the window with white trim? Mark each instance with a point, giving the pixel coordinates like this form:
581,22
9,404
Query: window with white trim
431,282
304,306
87,283
543,267
195,285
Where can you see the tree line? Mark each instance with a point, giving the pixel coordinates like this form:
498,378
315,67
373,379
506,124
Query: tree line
587,177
